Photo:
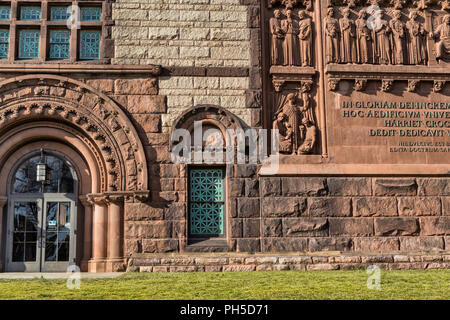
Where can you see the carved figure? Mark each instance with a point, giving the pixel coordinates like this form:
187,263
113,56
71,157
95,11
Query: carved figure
331,27
348,49
290,46
398,34
310,138
292,112
443,32
362,38
305,38
277,38
285,133
381,31
417,47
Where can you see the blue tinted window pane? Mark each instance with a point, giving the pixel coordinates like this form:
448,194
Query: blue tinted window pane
29,44
59,44
90,45
30,13
4,43
5,13
91,14
60,14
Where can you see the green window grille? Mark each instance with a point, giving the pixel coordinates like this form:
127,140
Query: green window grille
30,13
60,14
91,14
90,45
59,44
4,43
5,13
29,44
206,202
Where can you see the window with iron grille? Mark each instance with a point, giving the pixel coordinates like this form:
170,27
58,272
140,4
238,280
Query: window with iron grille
5,13
30,13
91,14
206,202
4,43
29,44
59,44
59,14
90,44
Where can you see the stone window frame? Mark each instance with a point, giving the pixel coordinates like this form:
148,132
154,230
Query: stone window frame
15,24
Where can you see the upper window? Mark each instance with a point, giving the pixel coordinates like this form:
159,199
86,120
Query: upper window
52,30
30,13
5,13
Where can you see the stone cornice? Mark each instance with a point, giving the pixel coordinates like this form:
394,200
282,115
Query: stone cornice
153,70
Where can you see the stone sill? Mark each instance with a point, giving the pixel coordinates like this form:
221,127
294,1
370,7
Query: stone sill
327,169
342,261
396,72
57,68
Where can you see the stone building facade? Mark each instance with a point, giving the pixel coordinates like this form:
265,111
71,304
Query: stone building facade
87,118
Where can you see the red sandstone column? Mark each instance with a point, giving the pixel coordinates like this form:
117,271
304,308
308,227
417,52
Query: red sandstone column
114,226
3,201
99,229
87,234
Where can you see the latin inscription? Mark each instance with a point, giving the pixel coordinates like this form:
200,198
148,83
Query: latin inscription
419,120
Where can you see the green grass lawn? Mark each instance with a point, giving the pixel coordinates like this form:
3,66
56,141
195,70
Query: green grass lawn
412,284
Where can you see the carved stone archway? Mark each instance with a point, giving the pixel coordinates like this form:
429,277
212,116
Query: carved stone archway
43,107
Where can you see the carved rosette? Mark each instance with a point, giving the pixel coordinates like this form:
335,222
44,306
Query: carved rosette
103,125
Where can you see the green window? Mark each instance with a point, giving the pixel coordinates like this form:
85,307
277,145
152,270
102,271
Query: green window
59,14
30,13
29,44
90,45
5,13
206,202
91,14
59,44
4,43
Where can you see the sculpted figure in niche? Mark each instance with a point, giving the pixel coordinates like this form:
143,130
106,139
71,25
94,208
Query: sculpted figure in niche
362,38
305,30
290,47
348,49
285,132
417,47
292,112
331,28
277,38
382,47
443,33
398,34
310,137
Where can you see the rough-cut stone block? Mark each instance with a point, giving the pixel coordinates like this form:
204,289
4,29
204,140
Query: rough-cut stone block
248,245
396,226
251,188
245,170
295,260
272,228
234,268
294,187
285,244
160,269
232,207
270,187
142,212
188,261
351,226
445,206
322,266
213,268
395,187
283,207
204,261
136,86
421,243
377,259
435,226
236,187
175,211
280,267
132,246
298,227
251,228
186,269
264,267
345,259
330,244
248,208
376,244
376,206
329,207
236,228
401,258
434,186
157,246
349,186
419,206
318,259
266,260
146,104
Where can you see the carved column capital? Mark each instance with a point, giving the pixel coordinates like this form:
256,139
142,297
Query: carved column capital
97,199
116,198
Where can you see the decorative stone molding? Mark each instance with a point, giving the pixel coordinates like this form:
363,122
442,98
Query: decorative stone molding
301,75
438,85
333,84
290,4
386,85
412,84
108,129
360,84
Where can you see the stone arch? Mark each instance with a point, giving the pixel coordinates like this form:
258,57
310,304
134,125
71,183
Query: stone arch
86,113
208,114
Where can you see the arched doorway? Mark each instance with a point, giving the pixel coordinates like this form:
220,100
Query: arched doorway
42,214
